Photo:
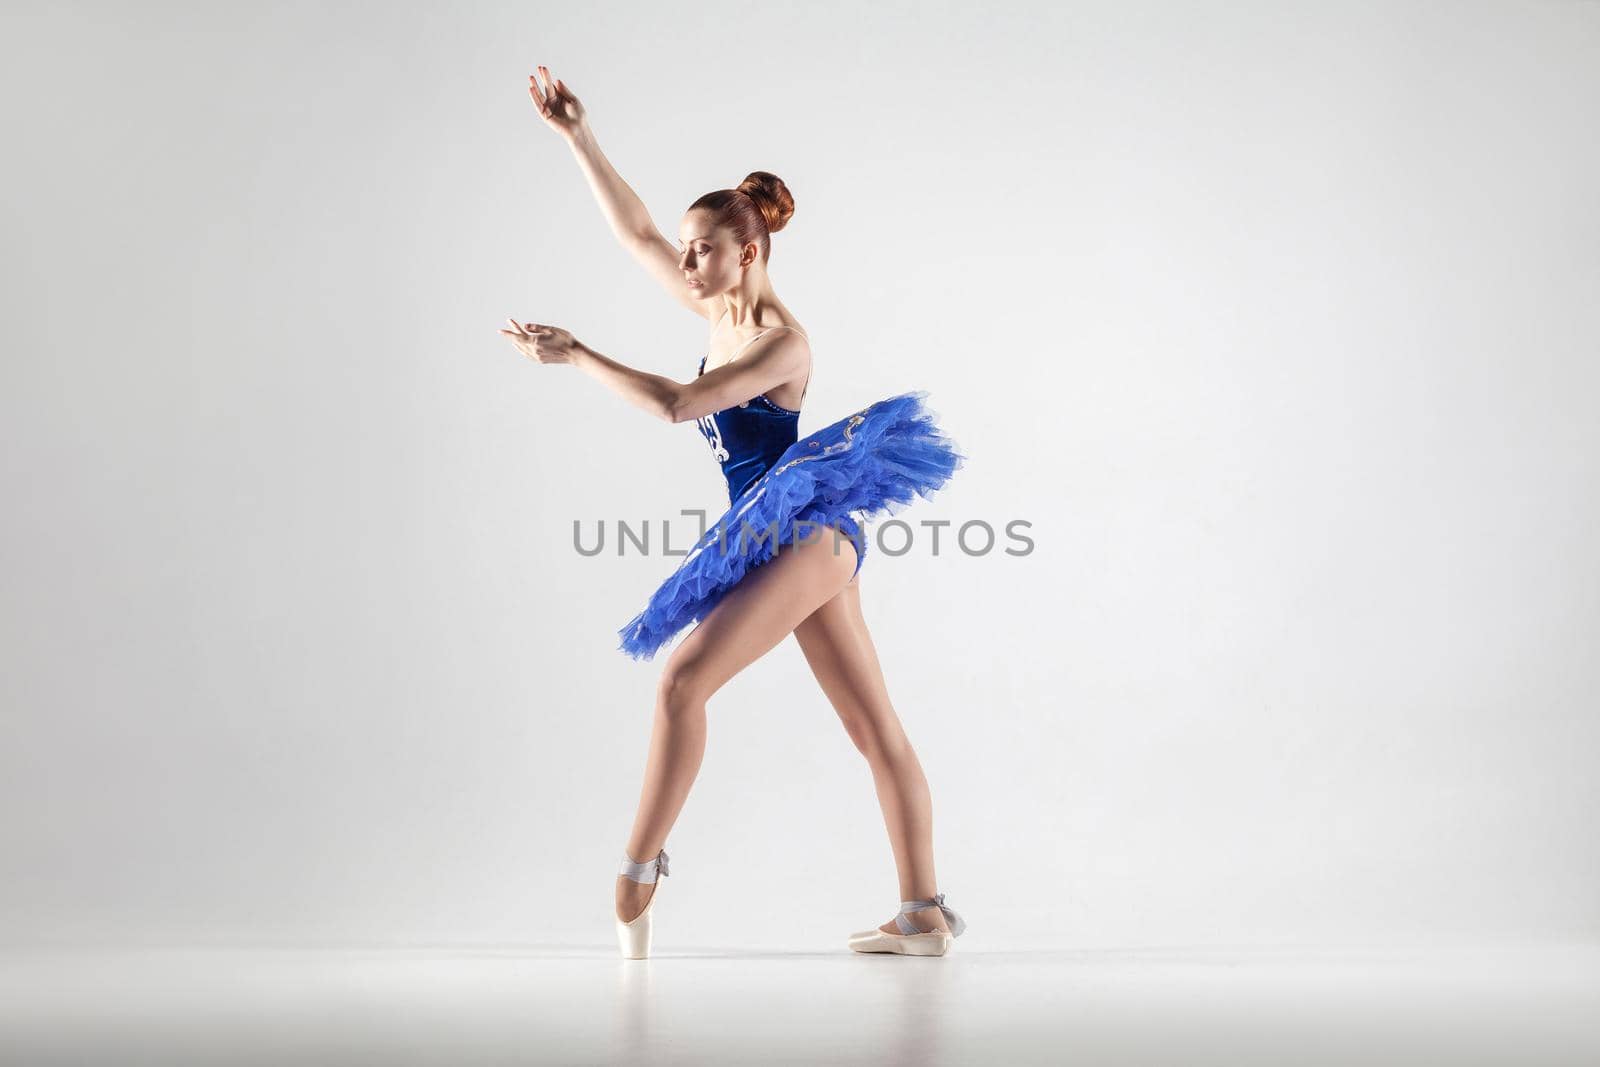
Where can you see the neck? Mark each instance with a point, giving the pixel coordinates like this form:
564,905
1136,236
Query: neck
752,301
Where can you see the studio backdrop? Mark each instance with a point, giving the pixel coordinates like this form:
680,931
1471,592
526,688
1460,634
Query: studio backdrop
1269,332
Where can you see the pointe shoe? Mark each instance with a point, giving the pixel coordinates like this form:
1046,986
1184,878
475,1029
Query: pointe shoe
910,941
633,936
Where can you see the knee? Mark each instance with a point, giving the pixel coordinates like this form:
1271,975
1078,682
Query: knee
879,743
860,736
869,739
679,694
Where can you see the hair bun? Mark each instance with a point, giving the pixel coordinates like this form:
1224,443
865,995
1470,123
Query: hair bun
771,196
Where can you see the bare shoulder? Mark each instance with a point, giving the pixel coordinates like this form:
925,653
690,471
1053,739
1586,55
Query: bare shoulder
724,344
787,334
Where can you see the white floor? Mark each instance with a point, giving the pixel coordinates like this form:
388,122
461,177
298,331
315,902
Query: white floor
1524,1005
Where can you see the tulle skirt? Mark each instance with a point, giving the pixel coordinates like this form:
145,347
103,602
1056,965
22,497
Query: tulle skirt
877,460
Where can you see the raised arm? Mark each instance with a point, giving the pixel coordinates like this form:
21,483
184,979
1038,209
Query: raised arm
624,212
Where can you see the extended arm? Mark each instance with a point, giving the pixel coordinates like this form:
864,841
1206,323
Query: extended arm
762,367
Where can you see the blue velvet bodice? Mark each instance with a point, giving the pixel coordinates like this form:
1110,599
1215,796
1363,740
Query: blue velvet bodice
747,439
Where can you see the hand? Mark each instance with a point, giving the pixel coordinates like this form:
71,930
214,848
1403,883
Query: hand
543,344
560,109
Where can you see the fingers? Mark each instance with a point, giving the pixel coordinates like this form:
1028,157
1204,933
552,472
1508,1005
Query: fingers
552,91
526,328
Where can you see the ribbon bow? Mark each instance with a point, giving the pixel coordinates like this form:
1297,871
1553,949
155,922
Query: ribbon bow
957,923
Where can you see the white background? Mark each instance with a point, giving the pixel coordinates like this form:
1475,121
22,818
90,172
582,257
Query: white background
1277,322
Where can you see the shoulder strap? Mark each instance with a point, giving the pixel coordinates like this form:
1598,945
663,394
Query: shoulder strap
768,330
762,334
758,337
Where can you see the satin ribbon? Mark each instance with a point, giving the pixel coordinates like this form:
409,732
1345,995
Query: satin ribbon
652,867
957,923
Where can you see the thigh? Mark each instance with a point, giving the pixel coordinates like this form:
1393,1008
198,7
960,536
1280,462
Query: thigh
756,614
837,645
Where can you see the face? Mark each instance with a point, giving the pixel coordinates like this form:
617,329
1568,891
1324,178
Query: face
707,256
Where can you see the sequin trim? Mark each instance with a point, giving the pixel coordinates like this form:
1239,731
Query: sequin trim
722,532
849,431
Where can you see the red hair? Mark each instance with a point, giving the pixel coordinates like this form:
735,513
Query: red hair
758,208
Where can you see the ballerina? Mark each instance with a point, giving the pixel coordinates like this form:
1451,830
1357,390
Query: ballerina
786,555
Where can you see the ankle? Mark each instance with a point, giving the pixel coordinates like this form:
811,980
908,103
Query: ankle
926,920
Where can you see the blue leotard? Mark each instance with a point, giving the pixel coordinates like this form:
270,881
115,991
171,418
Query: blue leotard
746,440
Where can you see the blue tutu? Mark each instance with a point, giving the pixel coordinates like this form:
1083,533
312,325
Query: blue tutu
876,460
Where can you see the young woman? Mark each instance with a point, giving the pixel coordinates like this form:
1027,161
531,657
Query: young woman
785,556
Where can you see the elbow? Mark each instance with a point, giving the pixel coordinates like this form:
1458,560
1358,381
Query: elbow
671,408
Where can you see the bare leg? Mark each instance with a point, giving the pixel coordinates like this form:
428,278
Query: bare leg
841,654
748,622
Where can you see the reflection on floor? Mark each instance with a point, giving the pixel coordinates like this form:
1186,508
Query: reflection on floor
1525,1005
